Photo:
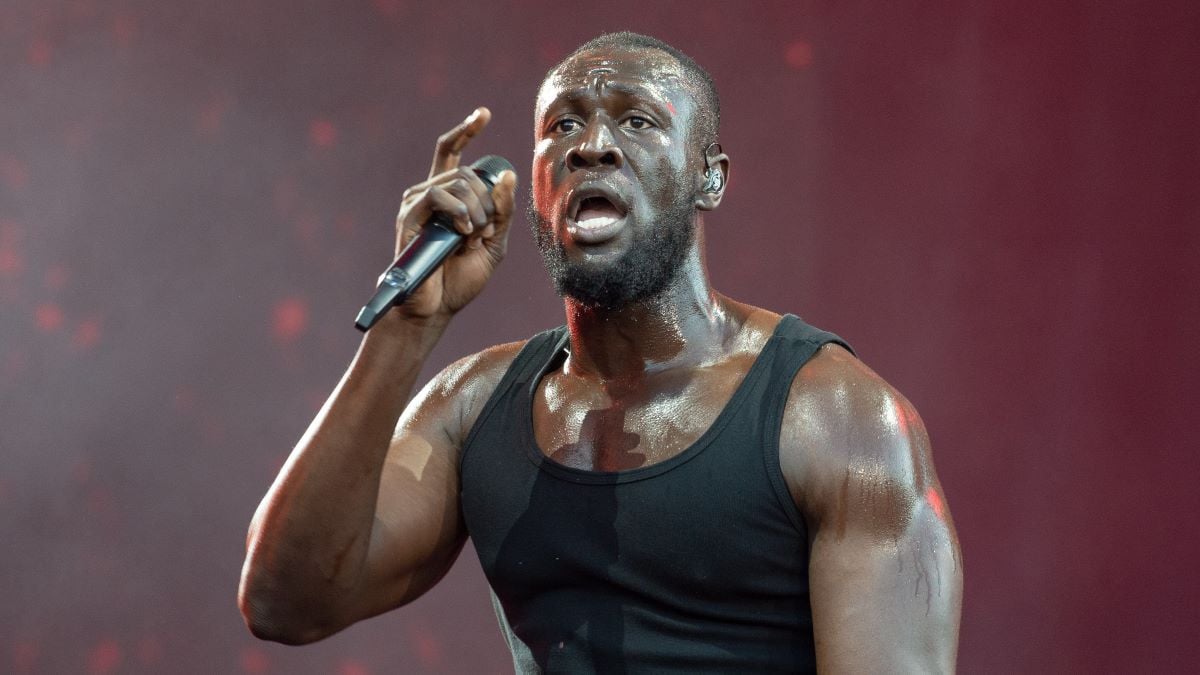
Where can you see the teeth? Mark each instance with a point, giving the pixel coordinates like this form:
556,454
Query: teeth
592,220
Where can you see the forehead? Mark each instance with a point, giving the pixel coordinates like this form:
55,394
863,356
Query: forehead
652,71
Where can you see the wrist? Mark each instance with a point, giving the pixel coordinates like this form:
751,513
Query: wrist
397,346
398,330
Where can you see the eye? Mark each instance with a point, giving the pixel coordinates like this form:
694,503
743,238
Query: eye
566,125
637,123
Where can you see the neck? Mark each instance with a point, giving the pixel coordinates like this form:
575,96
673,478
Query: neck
686,324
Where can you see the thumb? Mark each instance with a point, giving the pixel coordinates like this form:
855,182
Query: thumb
503,196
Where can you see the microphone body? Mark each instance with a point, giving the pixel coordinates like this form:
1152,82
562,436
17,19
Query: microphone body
436,241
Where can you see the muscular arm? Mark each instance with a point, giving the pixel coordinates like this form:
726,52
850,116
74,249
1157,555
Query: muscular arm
364,516
885,568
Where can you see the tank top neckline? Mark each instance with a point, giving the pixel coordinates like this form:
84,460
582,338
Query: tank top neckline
552,466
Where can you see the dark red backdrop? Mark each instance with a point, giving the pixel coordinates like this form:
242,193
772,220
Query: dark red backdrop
995,202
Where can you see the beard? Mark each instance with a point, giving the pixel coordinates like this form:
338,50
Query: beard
642,272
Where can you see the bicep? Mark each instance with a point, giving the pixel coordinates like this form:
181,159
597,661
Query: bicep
887,604
418,531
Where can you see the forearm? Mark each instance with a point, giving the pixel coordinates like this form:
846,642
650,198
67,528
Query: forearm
310,536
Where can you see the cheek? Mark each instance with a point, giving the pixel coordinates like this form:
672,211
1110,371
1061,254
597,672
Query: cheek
663,168
543,199
661,182
543,174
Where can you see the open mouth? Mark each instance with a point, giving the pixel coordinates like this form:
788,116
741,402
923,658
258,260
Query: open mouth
595,219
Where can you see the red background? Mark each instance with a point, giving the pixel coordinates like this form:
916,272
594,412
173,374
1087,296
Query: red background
994,202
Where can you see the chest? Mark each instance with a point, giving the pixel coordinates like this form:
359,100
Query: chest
588,427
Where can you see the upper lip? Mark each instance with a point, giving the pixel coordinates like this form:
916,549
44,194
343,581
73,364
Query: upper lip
589,190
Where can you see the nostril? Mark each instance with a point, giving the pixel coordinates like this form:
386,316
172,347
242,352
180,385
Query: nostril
609,158
576,160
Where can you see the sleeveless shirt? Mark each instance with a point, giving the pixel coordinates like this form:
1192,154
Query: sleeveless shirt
695,564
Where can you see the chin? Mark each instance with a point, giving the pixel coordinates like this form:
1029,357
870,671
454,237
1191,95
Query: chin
609,282
595,256
616,273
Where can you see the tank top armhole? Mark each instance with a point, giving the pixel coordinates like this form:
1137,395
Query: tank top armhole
798,344
530,358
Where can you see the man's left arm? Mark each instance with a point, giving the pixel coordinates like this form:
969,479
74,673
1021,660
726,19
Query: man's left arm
885,568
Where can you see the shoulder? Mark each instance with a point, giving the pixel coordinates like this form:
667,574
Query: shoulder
458,393
480,372
851,442
835,382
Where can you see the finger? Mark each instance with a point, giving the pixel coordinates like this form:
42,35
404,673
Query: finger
480,238
473,242
454,208
495,236
481,190
450,144
503,197
435,201
461,189
416,191
445,178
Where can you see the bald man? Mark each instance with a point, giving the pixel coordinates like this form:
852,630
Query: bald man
673,481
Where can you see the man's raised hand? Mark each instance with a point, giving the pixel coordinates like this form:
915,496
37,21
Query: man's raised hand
481,215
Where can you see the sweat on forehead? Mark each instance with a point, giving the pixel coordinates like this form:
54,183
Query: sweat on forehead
596,67
628,60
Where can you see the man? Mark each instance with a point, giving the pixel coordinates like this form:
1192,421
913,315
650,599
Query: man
674,481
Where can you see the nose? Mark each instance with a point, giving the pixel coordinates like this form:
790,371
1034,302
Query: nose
596,149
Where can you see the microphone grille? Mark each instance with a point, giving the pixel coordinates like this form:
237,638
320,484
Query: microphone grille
489,168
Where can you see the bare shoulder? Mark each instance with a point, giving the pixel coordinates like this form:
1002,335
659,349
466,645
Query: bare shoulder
850,441
458,393
836,384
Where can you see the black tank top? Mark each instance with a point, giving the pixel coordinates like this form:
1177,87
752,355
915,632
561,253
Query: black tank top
695,564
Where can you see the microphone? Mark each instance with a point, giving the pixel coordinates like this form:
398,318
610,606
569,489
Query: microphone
432,245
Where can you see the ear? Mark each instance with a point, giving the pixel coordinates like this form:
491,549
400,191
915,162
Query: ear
712,188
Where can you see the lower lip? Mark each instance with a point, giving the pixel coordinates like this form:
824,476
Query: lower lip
596,234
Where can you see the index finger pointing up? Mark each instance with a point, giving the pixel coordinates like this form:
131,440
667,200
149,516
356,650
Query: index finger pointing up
450,144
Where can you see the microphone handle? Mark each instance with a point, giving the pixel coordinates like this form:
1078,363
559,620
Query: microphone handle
436,241
424,254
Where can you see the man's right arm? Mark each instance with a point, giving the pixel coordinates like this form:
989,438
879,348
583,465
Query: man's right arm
364,515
